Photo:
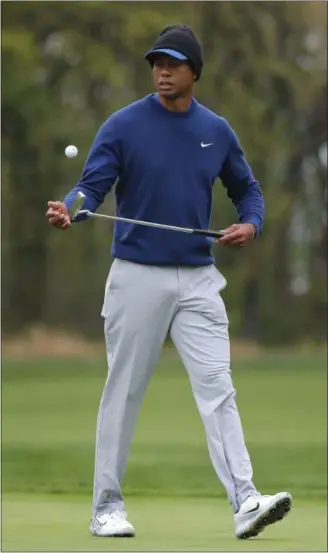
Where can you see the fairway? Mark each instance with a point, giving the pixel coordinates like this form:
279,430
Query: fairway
173,497
61,524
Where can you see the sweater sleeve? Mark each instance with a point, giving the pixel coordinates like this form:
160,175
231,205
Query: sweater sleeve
242,188
101,170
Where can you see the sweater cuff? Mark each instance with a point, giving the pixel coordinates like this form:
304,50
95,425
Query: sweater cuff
254,220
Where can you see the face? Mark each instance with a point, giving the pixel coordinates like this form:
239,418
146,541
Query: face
172,78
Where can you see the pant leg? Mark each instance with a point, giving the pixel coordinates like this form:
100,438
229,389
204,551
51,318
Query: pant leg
138,308
200,333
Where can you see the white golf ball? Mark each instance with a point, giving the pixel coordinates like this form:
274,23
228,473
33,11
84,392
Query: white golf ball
71,151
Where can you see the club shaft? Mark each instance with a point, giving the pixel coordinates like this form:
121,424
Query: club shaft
135,221
209,233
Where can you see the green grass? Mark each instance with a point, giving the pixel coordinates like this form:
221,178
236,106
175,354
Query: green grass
49,412
163,524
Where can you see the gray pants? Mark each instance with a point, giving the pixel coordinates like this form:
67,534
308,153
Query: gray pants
142,305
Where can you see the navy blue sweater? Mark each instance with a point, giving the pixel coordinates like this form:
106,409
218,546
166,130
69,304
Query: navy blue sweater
163,165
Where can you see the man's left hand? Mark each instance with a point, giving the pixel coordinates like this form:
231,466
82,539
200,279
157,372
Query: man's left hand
237,235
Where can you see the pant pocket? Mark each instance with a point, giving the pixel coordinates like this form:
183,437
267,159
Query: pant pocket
213,305
110,286
218,278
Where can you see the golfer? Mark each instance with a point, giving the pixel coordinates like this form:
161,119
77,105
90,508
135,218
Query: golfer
163,153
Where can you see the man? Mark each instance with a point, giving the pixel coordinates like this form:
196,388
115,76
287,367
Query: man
164,153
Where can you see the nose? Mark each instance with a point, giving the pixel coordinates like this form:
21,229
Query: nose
165,72
165,69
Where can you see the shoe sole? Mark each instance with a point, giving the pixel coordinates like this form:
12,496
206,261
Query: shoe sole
123,534
274,514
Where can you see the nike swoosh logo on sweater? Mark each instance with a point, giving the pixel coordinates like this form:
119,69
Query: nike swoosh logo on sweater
203,145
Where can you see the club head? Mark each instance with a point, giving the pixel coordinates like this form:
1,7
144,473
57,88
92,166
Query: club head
77,204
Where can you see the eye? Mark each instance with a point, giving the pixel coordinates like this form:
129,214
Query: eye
175,63
159,63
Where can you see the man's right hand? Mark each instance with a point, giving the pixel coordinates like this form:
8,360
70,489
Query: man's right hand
58,215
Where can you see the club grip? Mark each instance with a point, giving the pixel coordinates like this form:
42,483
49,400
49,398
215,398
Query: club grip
211,233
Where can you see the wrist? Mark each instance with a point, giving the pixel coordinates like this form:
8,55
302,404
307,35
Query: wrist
254,230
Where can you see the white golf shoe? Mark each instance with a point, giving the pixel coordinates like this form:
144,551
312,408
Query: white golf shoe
112,525
259,511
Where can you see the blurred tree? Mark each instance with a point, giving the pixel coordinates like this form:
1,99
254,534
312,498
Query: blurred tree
66,66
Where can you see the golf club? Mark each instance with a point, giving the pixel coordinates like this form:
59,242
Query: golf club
80,199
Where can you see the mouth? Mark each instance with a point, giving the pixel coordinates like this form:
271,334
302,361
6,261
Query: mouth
165,85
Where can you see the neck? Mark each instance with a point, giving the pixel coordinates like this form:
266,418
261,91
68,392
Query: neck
175,104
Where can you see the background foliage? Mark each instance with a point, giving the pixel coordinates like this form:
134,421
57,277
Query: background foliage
67,65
